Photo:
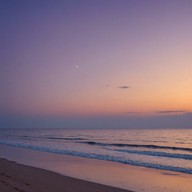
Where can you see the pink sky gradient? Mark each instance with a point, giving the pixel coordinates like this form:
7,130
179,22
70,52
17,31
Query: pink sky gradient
133,58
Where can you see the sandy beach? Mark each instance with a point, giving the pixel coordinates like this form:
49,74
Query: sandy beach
56,172
21,178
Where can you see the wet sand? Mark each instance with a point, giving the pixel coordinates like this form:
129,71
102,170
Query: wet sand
108,173
21,178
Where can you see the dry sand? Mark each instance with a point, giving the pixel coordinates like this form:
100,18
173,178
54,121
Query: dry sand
21,178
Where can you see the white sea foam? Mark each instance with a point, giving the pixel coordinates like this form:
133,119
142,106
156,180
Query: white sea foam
123,146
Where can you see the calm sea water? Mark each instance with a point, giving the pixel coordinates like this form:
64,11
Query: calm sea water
166,149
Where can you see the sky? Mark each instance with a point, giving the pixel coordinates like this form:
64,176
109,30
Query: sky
96,64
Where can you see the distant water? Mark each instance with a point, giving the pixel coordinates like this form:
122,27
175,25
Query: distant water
166,149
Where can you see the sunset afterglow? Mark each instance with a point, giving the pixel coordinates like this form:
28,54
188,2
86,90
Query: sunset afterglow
96,58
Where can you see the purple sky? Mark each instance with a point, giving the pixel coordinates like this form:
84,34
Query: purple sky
96,63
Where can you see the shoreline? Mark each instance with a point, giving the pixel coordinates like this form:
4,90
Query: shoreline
15,177
127,177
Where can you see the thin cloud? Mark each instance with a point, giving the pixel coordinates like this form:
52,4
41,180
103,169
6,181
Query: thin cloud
124,87
171,111
188,113
131,112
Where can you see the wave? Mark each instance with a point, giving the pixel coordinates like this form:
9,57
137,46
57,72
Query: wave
50,138
137,145
157,154
66,138
100,157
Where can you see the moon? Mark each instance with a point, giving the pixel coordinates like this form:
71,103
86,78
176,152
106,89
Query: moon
76,66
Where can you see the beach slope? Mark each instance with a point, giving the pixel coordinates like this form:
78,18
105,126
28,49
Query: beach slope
21,178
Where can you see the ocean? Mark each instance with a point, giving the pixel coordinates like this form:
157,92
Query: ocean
164,149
